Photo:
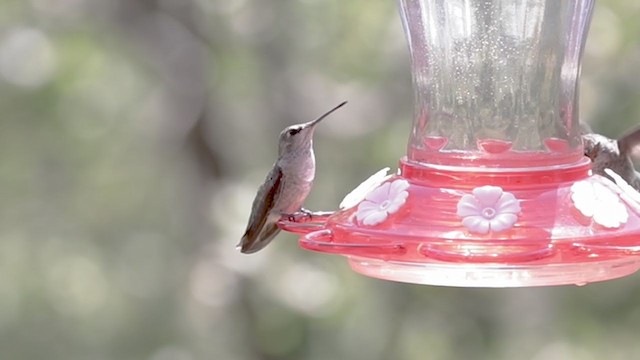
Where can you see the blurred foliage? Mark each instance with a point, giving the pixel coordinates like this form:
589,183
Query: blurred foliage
135,133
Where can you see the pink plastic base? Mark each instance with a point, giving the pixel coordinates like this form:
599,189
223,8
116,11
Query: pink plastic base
425,242
494,275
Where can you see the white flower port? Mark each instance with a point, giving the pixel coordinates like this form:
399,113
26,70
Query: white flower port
626,188
488,209
357,195
383,201
594,200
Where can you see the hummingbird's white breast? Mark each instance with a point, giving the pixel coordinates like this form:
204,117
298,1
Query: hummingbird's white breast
298,174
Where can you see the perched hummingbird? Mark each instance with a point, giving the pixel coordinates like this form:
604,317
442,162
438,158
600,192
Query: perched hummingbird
286,186
613,154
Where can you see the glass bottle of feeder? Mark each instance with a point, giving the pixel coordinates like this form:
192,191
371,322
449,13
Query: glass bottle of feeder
495,190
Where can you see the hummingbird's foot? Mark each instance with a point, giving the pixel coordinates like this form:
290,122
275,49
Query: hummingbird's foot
317,214
303,215
294,218
307,213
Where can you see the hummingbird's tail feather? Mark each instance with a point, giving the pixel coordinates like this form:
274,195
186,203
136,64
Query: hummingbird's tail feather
251,243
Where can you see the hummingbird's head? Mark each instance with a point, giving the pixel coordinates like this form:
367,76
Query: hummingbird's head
602,151
296,137
300,136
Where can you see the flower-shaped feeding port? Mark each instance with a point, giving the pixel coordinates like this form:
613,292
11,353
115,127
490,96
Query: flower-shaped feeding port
488,209
382,202
495,190
600,203
358,194
630,195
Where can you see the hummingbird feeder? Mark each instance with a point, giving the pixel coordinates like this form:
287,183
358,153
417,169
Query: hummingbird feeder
495,190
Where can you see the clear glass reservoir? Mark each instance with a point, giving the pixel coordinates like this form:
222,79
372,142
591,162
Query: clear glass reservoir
496,81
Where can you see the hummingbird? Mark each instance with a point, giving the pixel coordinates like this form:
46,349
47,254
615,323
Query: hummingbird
614,154
286,186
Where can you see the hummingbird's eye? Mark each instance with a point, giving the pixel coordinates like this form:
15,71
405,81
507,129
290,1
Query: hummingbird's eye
591,150
292,132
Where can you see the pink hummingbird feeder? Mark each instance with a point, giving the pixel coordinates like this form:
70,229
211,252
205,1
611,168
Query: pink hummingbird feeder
495,190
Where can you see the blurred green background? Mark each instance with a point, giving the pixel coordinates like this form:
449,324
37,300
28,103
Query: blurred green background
134,134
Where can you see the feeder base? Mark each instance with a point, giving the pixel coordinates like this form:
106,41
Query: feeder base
487,228
494,275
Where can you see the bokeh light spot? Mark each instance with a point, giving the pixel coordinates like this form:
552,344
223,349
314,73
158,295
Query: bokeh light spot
27,57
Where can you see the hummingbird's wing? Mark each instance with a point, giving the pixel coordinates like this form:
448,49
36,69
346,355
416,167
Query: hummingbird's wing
260,229
629,143
585,128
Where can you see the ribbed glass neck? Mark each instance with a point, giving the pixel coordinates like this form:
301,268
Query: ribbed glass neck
495,80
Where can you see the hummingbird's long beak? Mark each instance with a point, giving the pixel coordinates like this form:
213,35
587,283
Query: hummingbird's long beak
313,123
